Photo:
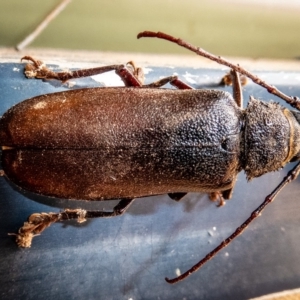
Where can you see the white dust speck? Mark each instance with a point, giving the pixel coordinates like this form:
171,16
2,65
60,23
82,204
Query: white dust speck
16,69
40,105
177,271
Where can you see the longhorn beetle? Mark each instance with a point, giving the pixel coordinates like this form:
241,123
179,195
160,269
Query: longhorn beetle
140,140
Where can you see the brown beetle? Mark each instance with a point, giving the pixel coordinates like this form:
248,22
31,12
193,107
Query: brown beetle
124,143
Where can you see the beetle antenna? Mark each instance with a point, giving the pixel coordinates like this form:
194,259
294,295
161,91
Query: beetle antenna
293,101
293,174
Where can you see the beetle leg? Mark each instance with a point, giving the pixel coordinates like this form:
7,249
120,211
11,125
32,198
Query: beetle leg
138,73
161,82
176,196
222,196
227,193
292,175
130,75
118,210
237,88
40,71
293,101
217,196
38,222
173,80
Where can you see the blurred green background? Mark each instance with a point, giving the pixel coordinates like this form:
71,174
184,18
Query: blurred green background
231,28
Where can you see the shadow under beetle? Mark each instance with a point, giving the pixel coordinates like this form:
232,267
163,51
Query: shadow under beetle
140,140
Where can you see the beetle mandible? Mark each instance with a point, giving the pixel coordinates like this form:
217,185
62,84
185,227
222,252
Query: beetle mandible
140,140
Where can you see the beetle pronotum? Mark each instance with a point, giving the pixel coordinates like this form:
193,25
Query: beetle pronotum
139,140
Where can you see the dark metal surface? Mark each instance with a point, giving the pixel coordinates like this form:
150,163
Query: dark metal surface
128,257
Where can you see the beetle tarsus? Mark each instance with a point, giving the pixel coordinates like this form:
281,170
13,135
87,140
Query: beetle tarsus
137,72
217,196
227,79
38,222
37,69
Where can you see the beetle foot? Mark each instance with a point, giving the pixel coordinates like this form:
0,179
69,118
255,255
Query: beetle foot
36,223
37,69
227,79
217,196
137,72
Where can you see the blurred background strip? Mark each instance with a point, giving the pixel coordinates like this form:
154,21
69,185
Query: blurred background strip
256,29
